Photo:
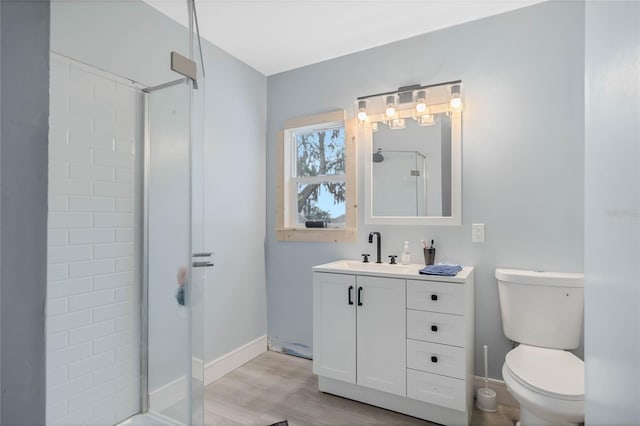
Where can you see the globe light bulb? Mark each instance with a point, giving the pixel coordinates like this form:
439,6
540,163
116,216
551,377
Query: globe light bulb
456,103
421,106
362,110
391,106
456,100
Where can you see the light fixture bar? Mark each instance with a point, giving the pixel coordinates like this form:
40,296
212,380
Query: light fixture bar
409,88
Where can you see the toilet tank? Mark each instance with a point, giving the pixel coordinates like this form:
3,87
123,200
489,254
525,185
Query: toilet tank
541,308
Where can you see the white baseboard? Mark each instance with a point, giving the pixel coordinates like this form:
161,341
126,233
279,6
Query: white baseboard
171,393
503,396
228,362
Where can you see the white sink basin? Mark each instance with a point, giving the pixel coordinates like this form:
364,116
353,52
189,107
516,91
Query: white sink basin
358,266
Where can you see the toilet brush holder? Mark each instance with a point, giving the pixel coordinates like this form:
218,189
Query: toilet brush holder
486,400
485,397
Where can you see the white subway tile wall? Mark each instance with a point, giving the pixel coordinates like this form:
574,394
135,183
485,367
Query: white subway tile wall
92,290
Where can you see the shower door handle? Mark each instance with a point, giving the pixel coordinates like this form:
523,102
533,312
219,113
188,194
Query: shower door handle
202,264
203,254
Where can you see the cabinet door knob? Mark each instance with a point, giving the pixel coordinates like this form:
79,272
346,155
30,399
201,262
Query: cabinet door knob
434,328
350,295
359,296
434,297
434,358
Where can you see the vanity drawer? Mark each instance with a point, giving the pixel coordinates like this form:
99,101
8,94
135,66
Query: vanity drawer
435,327
437,390
436,358
435,296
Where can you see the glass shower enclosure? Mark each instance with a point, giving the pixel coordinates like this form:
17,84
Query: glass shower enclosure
126,262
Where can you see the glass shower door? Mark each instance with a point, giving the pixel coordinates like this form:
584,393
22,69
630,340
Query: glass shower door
174,290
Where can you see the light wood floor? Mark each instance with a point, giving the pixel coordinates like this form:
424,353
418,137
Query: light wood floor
276,387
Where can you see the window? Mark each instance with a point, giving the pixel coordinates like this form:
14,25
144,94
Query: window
316,182
318,175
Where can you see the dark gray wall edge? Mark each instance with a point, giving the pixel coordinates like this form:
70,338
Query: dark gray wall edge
24,96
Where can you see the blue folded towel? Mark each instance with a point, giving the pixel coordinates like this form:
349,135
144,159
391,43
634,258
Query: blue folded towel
444,270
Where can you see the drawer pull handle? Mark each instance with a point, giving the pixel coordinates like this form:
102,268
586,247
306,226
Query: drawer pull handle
359,296
434,297
434,358
350,295
434,328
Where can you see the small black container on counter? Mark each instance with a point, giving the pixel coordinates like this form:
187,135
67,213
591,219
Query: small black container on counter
429,256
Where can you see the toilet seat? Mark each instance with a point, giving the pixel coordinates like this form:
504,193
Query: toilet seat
551,372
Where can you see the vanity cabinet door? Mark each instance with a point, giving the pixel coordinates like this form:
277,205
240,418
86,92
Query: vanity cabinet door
334,326
381,334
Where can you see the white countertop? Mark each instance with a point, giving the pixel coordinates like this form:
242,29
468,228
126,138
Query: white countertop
411,271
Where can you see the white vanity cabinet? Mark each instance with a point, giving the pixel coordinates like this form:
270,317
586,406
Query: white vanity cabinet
388,336
359,330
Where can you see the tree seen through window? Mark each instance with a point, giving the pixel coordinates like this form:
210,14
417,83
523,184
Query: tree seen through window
320,172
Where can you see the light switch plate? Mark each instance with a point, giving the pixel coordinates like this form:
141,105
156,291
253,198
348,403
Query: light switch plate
477,232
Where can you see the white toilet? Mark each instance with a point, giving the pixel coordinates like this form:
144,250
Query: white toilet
542,311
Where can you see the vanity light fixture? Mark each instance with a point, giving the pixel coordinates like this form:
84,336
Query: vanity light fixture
391,106
422,103
362,110
456,100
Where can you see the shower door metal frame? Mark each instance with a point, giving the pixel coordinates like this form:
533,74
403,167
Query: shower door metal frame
144,288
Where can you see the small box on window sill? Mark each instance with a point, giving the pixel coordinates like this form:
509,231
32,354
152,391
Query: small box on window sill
315,224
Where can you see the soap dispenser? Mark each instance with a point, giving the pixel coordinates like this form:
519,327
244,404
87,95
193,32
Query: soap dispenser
406,255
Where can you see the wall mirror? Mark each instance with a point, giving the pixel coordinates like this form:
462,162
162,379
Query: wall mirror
412,155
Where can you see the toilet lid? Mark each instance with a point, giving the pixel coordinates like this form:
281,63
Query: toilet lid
557,373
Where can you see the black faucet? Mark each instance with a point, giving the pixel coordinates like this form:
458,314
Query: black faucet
371,234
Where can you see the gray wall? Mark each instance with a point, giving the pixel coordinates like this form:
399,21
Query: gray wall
138,40
24,100
612,213
522,161
234,210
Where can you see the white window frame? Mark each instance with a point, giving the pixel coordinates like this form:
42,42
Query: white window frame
287,228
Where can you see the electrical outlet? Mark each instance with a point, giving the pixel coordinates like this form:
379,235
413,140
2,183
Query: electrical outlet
477,232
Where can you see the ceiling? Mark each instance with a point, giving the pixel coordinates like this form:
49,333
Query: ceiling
278,35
